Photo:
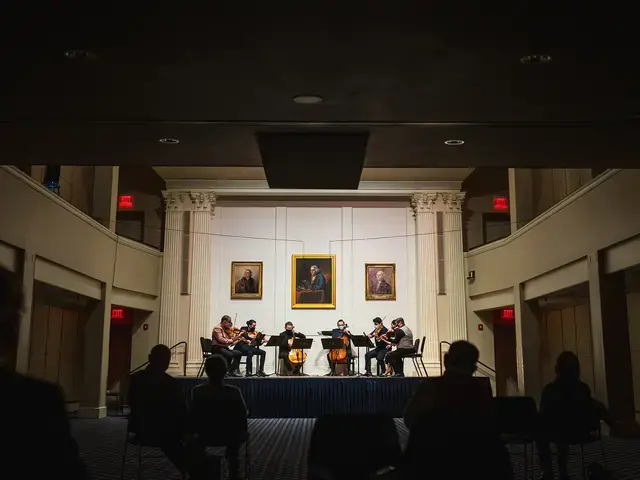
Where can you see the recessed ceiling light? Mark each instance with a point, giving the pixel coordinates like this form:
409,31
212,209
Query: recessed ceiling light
537,58
79,55
308,99
454,142
169,141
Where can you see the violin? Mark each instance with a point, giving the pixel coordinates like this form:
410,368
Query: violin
296,356
234,332
340,356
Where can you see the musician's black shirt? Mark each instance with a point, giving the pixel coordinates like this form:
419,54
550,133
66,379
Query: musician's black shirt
380,345
289,335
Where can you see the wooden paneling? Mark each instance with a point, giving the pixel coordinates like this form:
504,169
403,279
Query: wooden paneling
566,329
56,343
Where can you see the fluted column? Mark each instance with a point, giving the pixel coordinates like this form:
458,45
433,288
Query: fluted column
423,210
201,258
454,265
170,299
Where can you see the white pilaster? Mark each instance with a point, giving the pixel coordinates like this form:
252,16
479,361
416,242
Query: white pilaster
201,266
423,210
171,267
454,265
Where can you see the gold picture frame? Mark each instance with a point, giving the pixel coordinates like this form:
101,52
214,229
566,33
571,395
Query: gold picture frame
241,287
380,289
306,292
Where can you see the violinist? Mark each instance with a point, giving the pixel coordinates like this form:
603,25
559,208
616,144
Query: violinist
223,338
249,349
288,336
403,340
380,350
340,332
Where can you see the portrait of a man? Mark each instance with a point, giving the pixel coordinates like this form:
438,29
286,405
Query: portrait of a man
380,281
246,280
313,279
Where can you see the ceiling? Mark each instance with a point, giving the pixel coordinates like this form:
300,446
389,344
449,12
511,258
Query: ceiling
102,87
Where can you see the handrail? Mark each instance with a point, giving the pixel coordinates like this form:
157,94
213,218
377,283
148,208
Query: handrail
444,342
184,367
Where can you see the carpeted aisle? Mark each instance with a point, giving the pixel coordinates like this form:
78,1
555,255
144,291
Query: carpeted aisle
278,449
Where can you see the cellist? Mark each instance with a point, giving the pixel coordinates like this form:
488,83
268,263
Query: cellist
340,332
288,335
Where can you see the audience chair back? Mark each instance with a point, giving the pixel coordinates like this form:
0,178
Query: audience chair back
516,415
353,459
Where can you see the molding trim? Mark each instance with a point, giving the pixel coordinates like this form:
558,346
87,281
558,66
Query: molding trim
20,175
138,246
566,201
261,187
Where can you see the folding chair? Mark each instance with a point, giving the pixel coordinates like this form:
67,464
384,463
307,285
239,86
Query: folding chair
206,345
131,439
517,421
417,358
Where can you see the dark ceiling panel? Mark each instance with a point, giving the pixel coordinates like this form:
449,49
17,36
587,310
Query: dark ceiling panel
313,160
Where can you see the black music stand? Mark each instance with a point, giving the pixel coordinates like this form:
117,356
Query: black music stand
276,341
325,333
302,344
360,341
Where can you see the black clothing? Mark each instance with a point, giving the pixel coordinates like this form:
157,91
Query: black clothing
250,351
380,345
378,355
246,286
38,441
232,357
396,356
283,352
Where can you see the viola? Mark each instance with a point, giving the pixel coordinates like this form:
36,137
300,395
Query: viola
340,356
296,356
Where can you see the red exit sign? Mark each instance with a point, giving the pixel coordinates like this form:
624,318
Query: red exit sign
507,314
125,202
117,313
500,204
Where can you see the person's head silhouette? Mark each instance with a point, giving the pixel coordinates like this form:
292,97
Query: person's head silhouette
568,367
159,358
10,307
462,358
216,368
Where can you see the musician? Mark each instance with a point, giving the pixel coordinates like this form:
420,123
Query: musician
403,340
288,334
248,333
340,332
222,341
380,349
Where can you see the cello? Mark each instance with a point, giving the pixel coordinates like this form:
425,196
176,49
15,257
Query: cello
340,356
297,357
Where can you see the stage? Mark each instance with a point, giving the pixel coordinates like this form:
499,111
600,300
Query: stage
312,397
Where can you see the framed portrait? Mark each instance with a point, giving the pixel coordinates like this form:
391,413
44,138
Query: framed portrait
313,281
246,280
380,281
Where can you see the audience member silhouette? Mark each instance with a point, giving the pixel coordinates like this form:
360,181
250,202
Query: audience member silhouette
452,431
158,415
218,414
38,441
568,414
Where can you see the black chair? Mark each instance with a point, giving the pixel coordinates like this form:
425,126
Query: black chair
517,423
215,443
206,345
131,439
360,462
417,358
416,348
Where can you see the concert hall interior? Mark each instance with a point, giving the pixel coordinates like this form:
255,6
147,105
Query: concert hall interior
329,209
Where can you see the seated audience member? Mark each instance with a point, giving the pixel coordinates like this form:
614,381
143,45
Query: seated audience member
38,441
568,414
451,423
218,414
158,410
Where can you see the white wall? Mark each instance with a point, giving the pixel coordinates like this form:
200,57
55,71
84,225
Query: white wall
356,235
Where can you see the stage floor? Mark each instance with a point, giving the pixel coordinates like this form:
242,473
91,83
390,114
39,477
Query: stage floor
312,397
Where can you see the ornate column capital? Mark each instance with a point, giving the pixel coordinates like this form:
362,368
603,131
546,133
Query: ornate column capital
203,201
423,202
174,200
453,201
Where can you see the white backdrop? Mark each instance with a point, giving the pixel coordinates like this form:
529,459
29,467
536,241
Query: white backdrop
356,235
